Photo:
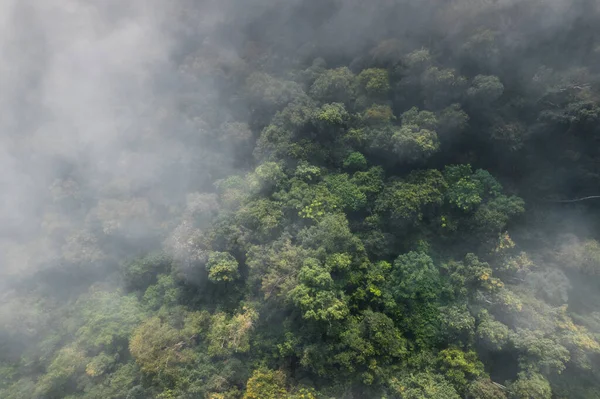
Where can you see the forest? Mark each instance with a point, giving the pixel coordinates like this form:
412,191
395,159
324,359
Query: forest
300,199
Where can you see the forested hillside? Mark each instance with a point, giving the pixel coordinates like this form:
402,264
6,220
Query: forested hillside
300,199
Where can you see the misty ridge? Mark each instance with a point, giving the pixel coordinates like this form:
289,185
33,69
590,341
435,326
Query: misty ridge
299,199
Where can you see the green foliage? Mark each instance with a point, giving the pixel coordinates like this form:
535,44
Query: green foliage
494,215
530,385
355,161
316,294
467,190
108,320
64,368
484,388
511,135
413,144
408,200
222,267
334,114
457,323
414,277
349,194
334,85
164,350
465,194
492,334
307,172
375,81
123,381
378,114
140,273
442,86
369,342
331,235
266,176
469,276
459,367
416,139
422,386
292,230
485,89
263,216
164,293
369,182
229,335
421,119
418,59
387,341
452,119
274,268
541,354
154,346
310,201
266,384
271,92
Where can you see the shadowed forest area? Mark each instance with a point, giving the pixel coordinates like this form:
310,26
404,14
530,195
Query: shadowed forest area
300,199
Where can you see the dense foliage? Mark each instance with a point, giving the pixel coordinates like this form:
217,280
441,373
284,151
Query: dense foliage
374,220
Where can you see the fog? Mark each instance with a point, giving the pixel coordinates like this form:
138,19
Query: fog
123,122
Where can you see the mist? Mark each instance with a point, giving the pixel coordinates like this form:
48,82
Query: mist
299,199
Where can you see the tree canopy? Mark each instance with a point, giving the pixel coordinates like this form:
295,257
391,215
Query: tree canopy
360,201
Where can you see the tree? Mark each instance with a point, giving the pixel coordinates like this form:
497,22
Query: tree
416,139
408,201
83,247
334,85
469,276
351,198
464,192
442,87
413,144
422,385
355,161
270,94
452,121
142,272
492,334
267,177
108,320
378,115
414,277
332,234
159,349
266,384
484,388
263,216
457,322
68,363
274,268
530,385
164,293
540,354
310,201
460,367
295,198
583,256
331,116
375,82
229,335
370,182
316,294
485,89
222,267
492,217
